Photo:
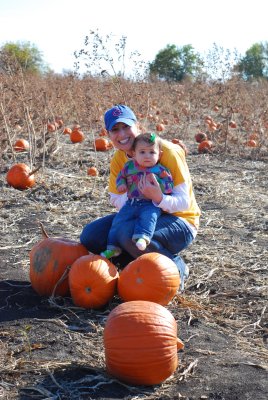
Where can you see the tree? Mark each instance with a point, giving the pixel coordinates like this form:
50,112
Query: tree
21,55
174,63
255,62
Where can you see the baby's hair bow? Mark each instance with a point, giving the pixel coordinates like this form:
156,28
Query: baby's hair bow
152,137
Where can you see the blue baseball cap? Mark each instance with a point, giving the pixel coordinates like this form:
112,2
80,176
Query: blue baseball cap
119,113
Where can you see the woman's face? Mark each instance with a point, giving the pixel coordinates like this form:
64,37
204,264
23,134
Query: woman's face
123,135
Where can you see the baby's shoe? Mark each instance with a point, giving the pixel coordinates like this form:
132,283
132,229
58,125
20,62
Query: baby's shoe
110,253
141,244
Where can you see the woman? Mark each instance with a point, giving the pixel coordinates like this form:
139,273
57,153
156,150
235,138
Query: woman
177,226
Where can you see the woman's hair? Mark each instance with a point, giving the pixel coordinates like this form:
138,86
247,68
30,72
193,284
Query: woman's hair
149,138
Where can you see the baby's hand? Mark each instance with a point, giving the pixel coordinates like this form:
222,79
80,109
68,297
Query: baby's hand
122,188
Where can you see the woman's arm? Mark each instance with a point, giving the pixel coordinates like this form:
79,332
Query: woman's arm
118,200
178,200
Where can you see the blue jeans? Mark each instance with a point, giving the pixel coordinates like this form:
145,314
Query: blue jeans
171,236
144,214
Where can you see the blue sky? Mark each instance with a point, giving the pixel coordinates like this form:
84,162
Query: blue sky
58,27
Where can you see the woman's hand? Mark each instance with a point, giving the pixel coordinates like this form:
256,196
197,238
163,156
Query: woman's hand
150,188
122,188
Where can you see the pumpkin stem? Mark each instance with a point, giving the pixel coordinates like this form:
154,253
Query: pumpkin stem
34,170
44,233
64,276
180,344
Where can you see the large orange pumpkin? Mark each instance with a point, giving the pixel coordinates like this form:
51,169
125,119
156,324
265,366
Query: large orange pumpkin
151,277
92,281
140,342
20,176
49,260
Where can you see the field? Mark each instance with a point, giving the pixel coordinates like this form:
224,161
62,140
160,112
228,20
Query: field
50,349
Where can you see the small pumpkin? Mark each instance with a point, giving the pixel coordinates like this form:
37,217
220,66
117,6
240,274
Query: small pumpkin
77,136
102,144
92,281
160,127
205,146
252,143
233,124
92,171
181,144
151,277
21,145
67,131
103,132
76,127
20,176
200,136
49,259
51,127
59,122
140,342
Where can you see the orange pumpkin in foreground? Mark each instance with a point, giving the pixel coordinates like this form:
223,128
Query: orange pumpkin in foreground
92,281
20,176
150,277
140,342
49,260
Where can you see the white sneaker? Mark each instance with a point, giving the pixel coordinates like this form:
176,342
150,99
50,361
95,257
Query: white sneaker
184,275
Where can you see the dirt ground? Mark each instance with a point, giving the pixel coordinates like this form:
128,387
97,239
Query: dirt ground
50,349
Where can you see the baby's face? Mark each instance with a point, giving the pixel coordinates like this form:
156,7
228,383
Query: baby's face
146,155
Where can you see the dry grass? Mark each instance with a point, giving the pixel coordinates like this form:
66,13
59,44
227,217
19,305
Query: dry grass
51,349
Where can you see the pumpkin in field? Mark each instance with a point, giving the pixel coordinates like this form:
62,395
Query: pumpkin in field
92,281
77,136
51,127
59,122
102,144
103,132
49,260
160,127
205,146
92,171
181,144
20,176
233,124
151,277
140,342
251,143
67,131
200,136
21,145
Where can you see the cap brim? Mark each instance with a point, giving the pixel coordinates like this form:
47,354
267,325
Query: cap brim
127,121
